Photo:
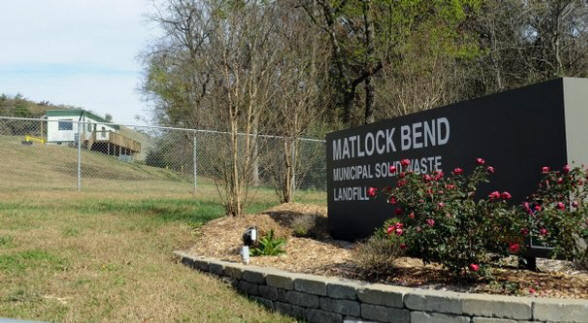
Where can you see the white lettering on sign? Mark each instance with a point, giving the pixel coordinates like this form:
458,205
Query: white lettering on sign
418,135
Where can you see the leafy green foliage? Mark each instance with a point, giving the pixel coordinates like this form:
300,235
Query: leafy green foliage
269,245
441,219
557,213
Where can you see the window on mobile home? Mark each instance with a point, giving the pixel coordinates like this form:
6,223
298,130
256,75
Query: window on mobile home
65,125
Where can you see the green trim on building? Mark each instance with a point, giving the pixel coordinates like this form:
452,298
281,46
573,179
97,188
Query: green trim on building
78,113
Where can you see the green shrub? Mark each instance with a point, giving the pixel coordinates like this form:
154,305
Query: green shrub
557,213
442,220
269,245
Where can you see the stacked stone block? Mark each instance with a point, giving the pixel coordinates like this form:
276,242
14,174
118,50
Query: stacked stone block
321,299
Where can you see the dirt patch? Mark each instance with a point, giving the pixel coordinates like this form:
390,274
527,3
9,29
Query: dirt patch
319,254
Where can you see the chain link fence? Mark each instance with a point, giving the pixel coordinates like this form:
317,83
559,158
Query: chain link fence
60,153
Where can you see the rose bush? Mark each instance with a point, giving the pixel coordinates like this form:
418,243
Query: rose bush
557,212
441,218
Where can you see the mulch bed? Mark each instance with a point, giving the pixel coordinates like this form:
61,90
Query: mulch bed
325,256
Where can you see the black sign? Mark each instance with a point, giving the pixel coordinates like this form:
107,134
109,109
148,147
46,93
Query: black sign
517,132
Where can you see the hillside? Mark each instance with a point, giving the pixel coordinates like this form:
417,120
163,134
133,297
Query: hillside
51,167
20,107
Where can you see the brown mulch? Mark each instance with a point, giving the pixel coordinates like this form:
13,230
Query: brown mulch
322,255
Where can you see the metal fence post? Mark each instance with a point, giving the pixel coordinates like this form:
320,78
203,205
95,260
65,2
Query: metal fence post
194,161
79,157
293,152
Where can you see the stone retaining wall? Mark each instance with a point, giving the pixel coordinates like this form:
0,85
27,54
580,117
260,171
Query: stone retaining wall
322,299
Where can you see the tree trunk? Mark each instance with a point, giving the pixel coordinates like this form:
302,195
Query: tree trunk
369,62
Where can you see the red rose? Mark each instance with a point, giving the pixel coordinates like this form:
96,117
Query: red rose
399,225
438,175
560,180
480,161
525,232
392,200
566,169
427,178
457,171
411,215
543,231
474,267
398,211
402,175
430,222
494,195
372,191
399,231
405,162
561,206
402,246
401,183
514,247
538,208
545,169
575,204
490,169
506,196
392,169
526,207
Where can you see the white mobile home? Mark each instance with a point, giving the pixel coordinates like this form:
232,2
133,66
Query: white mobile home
95,133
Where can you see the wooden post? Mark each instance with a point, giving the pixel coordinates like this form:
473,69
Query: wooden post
108,144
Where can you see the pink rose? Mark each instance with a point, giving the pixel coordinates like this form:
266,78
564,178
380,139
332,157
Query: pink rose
390,229
405,162
430,222
411,215
474,267
427,178
575,204
480,161
490,169
543,231
566,169
506,196
392,200
372,191
401,183
561,206
560,180
450,186
399,231
441,205
403,246
392,169
545,169
457,171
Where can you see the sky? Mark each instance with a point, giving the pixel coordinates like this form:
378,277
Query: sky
83,53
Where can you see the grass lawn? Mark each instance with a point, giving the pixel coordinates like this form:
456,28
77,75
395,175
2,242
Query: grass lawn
105,254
